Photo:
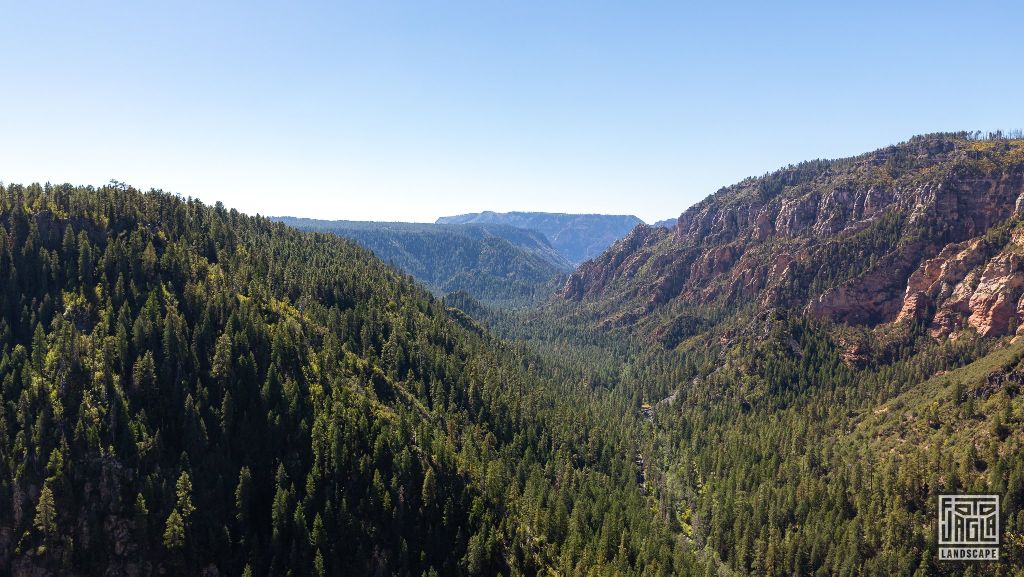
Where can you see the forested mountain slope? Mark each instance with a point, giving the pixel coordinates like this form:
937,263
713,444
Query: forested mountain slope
819,353
494,263
577,237
189,390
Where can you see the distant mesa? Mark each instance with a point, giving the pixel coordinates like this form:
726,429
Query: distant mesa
577,237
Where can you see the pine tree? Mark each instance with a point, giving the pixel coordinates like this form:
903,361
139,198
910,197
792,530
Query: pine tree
183,490
174,531
144,373
176,528
220,365
243,497
429,493
46,512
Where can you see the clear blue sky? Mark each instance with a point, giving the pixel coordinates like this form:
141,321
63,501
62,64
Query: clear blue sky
413,110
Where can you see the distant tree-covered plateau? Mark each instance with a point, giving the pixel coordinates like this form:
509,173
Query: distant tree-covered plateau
577,237
495,263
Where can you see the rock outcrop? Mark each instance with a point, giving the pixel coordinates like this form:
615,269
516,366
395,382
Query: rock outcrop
919,232
976,284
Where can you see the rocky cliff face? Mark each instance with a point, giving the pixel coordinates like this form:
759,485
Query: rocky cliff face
977,284
923,231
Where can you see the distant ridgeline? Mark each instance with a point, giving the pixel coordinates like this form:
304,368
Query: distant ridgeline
492,262
577,237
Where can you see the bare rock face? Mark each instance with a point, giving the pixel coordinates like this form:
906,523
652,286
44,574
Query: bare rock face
936,279
915,307
937,275
977,284
119,531
799,214
994,301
